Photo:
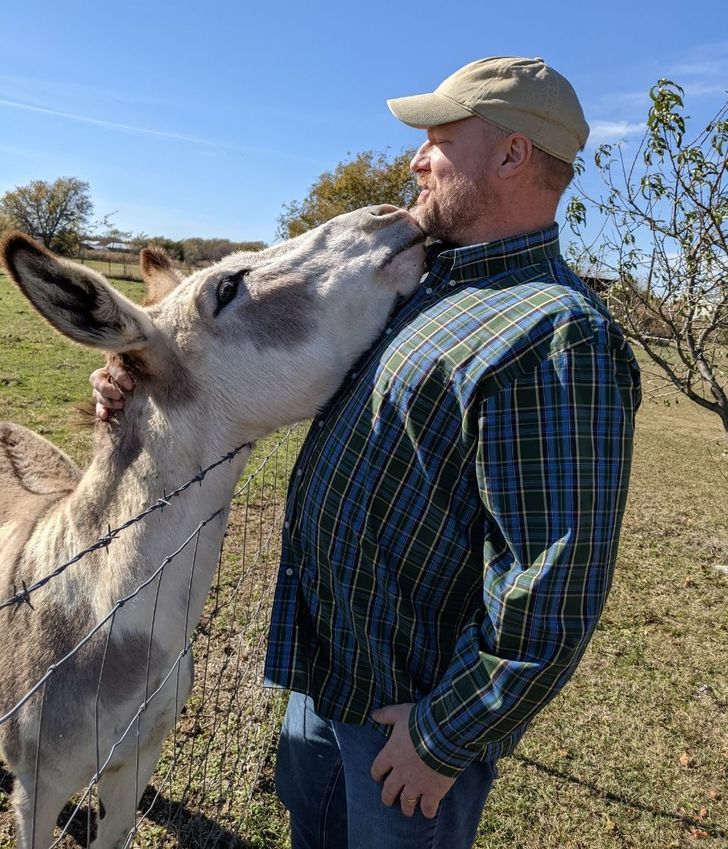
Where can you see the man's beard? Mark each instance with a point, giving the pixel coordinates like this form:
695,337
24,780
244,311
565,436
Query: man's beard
447,215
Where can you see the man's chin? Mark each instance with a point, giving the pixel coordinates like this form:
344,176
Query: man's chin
419,213
428,223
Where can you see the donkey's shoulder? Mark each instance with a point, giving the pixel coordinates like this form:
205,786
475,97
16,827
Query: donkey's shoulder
31,466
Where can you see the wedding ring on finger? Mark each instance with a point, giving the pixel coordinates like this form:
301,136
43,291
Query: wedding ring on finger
409,800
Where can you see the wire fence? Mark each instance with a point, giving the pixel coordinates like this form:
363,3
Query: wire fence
212,785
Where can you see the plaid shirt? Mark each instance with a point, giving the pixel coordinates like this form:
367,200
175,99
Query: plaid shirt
453,518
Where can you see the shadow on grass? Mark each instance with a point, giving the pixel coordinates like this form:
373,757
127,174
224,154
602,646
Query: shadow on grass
618,798
191,829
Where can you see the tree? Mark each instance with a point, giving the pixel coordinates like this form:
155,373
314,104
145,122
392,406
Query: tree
367,179
663,242
197,251
171,246
54,213
6,223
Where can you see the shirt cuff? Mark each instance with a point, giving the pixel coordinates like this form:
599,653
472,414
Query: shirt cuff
432,745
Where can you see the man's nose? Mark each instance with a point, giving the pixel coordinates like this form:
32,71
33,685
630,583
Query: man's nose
421,160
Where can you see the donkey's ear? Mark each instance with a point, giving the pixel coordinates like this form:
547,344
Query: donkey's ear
74,299
158,274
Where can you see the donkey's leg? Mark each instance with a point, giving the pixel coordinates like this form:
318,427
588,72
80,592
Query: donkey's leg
121,786
119,791
35,828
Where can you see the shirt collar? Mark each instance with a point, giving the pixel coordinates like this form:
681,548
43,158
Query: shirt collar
476,262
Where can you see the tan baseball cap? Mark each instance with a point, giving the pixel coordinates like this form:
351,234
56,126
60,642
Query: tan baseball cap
518,95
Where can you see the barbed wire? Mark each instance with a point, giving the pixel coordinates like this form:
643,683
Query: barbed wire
100,624
105,541
212,612
23,596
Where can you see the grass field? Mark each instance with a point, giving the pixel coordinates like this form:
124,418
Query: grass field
633,753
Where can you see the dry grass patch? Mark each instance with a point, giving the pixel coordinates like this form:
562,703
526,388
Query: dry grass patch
634,752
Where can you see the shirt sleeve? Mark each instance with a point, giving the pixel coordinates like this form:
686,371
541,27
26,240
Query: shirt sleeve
553,462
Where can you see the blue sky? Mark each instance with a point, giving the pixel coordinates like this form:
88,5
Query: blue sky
204,119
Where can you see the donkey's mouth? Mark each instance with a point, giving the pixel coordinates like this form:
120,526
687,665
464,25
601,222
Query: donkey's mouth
417,239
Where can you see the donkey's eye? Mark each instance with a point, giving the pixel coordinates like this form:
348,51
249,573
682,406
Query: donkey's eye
227,289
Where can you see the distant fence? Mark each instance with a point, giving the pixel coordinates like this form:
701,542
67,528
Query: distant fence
123,265
219,758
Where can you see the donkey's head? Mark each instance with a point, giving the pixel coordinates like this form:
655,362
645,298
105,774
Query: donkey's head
257,340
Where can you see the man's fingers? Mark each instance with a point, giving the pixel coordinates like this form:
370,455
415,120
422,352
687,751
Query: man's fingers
112,374
429,806
106,393
107,389
104,383
380,766
408,802
108,401
123,378
98,376
391,789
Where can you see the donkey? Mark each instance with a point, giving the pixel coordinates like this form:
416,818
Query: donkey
253,343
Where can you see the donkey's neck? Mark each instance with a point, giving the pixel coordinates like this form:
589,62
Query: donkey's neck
148,455
144,459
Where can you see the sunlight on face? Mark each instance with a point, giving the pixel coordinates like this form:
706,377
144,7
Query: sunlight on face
452,169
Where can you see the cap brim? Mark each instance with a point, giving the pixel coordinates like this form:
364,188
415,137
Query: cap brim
427,110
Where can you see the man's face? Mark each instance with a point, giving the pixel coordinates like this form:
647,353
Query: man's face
452,169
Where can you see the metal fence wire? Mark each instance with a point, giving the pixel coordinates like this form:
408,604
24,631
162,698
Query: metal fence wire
213,781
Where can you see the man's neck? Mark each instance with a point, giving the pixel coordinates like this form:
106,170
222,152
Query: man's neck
493,231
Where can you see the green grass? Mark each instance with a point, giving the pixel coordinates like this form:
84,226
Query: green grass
633,753
42,376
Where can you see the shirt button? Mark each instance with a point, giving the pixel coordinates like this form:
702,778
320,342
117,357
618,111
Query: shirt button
353,375
320,424
299,472
451,283
388,331
287,524
428,290
289,572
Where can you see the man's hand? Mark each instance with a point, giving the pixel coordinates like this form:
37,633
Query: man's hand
404,773
109,384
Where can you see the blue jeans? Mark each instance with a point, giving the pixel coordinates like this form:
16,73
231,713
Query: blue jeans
322,777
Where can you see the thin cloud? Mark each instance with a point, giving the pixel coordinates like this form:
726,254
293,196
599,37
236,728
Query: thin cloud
606,132
705,60
148,131
701,71
704,71
98,122
702,88
27,89
695,69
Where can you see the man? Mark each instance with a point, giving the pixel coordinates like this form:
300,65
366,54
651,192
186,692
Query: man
452,522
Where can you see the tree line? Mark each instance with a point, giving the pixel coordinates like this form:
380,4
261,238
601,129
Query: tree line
59,213
660,257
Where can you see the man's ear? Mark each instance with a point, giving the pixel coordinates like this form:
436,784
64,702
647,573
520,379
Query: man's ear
516,155
75,300
158,274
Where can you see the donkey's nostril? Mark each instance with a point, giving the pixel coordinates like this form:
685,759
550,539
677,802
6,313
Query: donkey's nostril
383,209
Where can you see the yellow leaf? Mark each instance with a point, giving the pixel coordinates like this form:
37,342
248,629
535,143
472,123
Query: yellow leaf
714,794
686,761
